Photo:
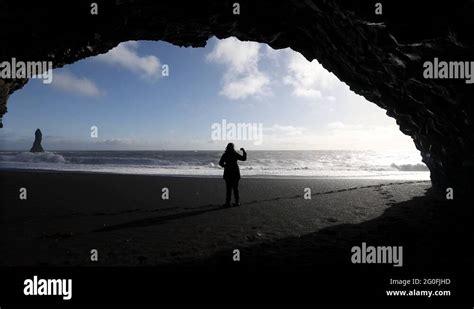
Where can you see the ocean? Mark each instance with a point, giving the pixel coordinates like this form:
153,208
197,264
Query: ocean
318,163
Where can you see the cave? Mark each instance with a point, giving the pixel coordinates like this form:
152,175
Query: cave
380,56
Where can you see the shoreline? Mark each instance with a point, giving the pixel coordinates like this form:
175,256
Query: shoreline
289,177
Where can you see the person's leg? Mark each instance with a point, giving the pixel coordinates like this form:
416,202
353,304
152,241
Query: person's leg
235,187
228,191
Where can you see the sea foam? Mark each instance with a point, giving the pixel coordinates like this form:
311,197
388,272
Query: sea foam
37,157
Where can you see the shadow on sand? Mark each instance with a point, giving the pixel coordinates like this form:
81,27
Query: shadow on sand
435,234
199,210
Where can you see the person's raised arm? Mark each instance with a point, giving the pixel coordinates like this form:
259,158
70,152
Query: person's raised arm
244,156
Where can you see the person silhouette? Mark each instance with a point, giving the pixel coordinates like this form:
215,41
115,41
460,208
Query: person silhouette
232,172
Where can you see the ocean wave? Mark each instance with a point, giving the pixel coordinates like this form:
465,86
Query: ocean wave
206,163
410,167
36,157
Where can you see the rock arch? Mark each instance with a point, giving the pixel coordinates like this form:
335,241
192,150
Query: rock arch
378,56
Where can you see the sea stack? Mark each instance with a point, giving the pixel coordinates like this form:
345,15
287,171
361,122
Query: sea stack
37,143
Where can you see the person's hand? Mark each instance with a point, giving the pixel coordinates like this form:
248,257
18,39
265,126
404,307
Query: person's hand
242,149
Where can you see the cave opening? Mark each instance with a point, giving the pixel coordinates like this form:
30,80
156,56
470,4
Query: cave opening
149,96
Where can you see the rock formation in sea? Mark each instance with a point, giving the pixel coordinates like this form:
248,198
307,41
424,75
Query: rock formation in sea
37,143
378,52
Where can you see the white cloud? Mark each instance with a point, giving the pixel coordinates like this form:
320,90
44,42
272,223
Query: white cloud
79,85
242,77
336,136
366,136
240,56
126,56
288,131
275,54
309,79
336,125
286,137
240,88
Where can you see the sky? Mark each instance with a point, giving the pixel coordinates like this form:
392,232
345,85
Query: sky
136,105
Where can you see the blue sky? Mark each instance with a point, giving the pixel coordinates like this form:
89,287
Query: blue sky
134,107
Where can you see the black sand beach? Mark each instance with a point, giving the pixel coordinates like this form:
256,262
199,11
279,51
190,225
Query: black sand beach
278,232
125,219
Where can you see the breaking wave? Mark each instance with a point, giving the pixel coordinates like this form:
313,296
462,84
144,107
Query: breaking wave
410,167
205,163
35,157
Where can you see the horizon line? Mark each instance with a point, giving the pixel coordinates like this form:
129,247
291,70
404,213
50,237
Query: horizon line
50,150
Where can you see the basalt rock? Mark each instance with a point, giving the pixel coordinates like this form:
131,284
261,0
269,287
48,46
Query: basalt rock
37,143
379,56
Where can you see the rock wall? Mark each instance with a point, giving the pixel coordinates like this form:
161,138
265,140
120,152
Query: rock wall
379,56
